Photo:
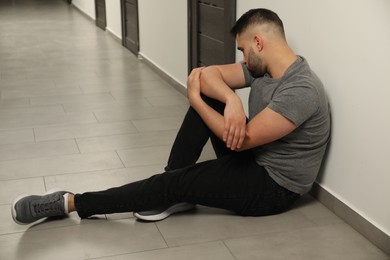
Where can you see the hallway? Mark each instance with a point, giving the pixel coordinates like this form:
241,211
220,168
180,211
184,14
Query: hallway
79,112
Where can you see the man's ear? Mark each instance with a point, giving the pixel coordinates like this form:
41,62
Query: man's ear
258,41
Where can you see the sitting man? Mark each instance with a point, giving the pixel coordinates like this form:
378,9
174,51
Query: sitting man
264,163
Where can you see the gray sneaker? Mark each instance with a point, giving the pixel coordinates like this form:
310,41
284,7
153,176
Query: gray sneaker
163,212
28,209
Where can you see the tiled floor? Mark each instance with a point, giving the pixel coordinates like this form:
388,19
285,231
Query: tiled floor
78,111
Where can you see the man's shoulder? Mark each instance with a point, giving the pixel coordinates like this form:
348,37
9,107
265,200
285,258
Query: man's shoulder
303,75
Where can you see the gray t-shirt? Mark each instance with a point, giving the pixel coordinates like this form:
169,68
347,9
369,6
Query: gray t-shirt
294,160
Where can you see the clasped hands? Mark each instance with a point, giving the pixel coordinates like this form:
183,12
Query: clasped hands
234,131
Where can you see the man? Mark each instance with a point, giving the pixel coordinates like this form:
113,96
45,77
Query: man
263,164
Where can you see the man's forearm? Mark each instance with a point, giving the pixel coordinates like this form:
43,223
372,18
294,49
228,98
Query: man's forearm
213,84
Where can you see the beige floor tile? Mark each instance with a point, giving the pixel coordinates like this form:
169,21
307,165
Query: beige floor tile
120,142
120,84
11,75
23,93
139,93
12,81
24,83
8,226
208,224
17,102
207,153
109,105
37,111
99,239
139,113
158,124
316,212
211,251
119,237
16,136
29,121
28,168
58,76
82,131
328,242
35,150
9,190
64,99
145,155
21,63
134,76
177,99
101,180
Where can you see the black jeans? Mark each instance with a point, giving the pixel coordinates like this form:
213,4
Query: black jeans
233,181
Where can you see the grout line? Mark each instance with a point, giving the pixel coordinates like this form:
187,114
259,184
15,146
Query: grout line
223,242
35,138
77,145
116,151
94,115
44,183
165,241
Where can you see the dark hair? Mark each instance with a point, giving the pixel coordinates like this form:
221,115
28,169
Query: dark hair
257,16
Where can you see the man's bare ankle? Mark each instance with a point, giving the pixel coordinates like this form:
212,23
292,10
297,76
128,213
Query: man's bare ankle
71,206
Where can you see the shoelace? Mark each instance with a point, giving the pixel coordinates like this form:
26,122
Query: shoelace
47,207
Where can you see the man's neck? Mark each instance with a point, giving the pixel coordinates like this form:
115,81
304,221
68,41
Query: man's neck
280,62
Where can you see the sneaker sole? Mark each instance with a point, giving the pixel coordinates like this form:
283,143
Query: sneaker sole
180,207
13,211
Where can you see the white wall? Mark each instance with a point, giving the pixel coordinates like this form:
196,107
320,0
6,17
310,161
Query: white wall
87,6
347,44
113,17
163,35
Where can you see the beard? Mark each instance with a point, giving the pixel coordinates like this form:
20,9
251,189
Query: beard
255,65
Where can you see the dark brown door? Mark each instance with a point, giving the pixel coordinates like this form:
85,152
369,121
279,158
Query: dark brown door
130,35
210,41
100,11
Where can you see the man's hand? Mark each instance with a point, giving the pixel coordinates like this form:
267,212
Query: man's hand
235,123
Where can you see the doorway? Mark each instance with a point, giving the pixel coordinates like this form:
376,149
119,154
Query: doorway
130,33
209,24
100,12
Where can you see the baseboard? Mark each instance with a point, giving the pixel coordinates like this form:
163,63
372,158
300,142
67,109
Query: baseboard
114,36
352,218
173,82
